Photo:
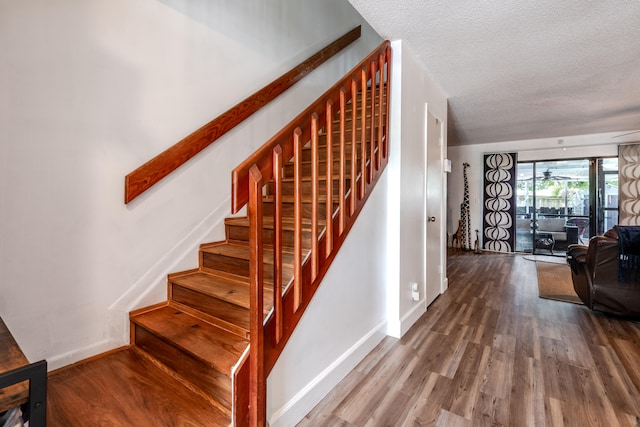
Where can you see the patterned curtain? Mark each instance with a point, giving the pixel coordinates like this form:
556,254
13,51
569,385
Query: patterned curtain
499,202
629,178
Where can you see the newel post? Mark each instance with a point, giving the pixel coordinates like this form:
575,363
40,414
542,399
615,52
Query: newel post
257,380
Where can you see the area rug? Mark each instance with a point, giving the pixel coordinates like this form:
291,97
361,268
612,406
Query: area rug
554,282
546,258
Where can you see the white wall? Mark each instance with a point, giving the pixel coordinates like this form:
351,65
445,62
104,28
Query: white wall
571,147
91,89
411,90
345,320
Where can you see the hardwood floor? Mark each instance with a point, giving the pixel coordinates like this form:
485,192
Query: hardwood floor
125,389
489,352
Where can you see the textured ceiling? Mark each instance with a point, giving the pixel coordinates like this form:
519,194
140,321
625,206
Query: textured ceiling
517,70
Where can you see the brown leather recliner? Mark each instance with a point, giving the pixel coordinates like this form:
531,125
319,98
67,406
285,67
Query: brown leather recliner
603,279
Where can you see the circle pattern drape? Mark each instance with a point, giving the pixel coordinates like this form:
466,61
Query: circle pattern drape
498,202
629,177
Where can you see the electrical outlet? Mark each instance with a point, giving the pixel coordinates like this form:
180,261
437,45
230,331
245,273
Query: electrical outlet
415,293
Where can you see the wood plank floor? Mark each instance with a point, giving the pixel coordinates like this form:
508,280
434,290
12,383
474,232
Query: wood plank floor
489,352
124,389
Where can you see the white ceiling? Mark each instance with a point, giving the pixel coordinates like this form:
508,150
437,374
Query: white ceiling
517,69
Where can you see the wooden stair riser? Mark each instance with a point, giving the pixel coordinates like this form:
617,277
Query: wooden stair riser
322,153
349,104
227,312
288,187
240,233
239,266
335,141
233,328
348,123
288,171
289,207
205,378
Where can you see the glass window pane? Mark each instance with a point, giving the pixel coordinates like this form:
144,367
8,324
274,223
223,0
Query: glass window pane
553,205
610,164
524,207
607,194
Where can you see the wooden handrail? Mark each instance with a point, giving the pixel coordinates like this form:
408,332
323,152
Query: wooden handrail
145,176
362,139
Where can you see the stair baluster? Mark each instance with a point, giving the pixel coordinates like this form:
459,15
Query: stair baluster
277,241
329,175
343,161
257,387
354,156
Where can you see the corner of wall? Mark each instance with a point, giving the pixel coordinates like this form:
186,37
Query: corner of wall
407,205
398,327
393,173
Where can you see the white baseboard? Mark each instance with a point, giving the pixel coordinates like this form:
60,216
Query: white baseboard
61,360
398,327
310,395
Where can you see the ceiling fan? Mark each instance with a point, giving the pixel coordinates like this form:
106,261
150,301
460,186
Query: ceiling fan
548,176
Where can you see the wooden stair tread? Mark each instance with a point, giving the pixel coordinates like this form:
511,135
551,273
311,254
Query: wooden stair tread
321,178
336,159
241,251
210,344
306,198
223,288
322,146
287,223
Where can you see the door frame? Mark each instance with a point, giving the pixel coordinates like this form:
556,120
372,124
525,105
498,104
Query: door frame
440,212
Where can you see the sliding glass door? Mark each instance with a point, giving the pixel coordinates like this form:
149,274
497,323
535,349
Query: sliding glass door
606,194
553,206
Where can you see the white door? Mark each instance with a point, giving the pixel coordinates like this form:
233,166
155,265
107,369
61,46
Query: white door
434,200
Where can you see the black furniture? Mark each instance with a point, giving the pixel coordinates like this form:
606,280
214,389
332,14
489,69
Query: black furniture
563,233
14,371
581,223
545,241
606,274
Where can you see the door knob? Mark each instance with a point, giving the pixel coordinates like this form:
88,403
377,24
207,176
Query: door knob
432,219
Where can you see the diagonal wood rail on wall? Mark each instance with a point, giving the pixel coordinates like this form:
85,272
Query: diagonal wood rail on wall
145,176
336,150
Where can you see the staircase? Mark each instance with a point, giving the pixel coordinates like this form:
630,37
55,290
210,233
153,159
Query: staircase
272,260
